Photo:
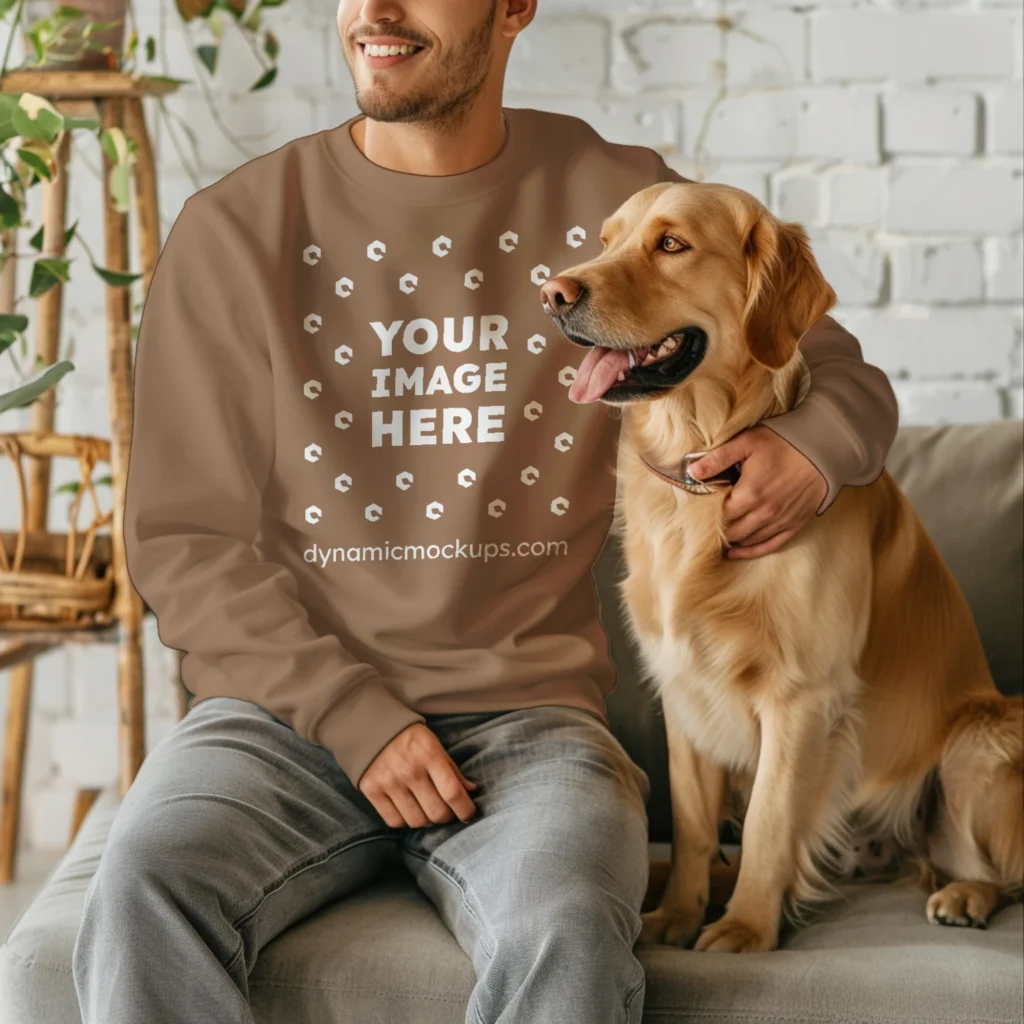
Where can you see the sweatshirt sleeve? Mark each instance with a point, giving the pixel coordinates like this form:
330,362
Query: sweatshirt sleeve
848,419
202,450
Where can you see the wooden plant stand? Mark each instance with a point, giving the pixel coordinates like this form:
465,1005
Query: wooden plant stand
115,100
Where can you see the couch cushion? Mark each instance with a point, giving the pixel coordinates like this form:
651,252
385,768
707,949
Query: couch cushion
966,482
383,956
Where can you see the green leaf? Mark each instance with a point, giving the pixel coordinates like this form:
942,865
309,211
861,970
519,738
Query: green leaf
12,322
120,187
85,123
150,49
36,162
45,274
10,212
271,47
6,343
117,278
164,78
28,392
265,79
36,241
208,55
45,126
71,487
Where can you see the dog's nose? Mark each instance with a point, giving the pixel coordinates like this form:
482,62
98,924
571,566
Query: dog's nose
559,294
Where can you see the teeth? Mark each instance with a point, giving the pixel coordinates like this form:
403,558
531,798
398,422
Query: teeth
389,51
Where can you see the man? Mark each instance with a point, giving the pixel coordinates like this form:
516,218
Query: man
361,503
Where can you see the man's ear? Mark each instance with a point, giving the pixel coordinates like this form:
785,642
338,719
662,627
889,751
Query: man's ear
786,291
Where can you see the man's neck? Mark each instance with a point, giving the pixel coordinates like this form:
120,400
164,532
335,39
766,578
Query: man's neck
433,148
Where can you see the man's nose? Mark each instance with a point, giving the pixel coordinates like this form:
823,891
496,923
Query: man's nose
559,294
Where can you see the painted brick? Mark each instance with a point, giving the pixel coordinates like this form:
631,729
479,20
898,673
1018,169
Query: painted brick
797,194
1004,120
852,264
757,50
930,121
935,404
262,123
968,342
750,177
635,122
856,196
972,198
46,817
871,45
560,55
798,124
938,272
1004,263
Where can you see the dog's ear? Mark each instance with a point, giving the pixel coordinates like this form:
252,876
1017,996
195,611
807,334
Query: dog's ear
786,291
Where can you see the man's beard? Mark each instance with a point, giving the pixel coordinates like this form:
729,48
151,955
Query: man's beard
456,81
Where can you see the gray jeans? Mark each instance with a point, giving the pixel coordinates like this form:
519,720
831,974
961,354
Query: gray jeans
236,827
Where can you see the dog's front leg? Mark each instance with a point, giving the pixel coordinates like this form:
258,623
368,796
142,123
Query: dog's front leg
792,771
696,785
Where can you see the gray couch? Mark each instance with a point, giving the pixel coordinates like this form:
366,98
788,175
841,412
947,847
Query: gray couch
383,956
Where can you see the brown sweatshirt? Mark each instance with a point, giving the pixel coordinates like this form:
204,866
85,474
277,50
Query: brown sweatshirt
358,491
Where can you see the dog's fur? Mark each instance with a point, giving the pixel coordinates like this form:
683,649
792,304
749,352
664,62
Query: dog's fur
838,680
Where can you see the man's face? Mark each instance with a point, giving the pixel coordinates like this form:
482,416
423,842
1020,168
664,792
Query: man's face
453,43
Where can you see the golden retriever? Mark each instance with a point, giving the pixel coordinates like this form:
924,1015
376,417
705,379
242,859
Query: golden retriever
838,683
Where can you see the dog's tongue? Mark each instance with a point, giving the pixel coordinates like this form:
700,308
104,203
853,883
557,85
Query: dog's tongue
597,373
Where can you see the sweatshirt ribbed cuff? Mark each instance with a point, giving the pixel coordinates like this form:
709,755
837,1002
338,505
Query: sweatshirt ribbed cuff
359,725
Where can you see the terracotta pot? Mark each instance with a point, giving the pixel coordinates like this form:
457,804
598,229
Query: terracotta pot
70,53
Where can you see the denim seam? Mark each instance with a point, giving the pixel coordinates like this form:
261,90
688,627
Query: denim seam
293,872
460,883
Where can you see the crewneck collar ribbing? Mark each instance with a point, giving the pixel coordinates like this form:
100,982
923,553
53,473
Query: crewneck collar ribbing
404,188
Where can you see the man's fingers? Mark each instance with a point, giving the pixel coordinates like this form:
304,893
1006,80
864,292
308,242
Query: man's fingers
387,810
761,549
721,458
740,531
450,784
408,806
434,805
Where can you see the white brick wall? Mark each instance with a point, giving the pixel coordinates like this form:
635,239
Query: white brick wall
891,128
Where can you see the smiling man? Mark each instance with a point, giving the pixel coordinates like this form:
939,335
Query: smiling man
364,503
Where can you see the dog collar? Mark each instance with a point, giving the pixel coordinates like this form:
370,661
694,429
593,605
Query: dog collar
727,478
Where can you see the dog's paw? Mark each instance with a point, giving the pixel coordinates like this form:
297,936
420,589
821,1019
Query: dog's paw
960,904
669,927
734,935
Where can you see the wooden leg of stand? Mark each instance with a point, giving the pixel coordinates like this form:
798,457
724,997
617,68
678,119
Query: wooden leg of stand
130,696
19,704
147,207
49,311
84,799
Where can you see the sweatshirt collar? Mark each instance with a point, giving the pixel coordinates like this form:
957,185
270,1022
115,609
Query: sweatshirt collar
404,188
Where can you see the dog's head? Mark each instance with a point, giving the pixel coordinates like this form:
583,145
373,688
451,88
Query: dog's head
694,279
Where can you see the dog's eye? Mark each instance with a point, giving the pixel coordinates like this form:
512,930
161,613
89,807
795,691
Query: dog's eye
672,244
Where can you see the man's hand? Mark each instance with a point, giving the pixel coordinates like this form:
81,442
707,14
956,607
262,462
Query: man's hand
778,493
414,782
